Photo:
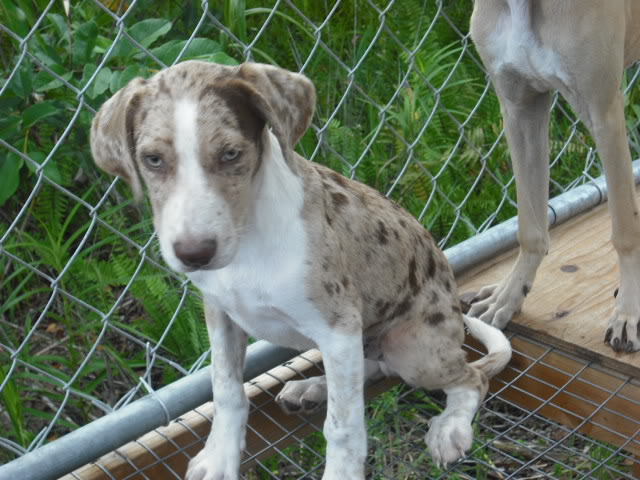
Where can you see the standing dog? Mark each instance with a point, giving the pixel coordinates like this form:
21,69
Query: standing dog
289,251
579,47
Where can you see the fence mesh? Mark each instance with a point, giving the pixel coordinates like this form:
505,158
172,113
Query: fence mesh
90,318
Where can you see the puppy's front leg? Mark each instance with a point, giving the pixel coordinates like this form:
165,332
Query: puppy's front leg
344,427
220,457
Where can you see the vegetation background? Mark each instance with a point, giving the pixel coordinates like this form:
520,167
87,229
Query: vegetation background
86,307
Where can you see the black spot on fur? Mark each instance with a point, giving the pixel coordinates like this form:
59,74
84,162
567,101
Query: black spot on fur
395,234
325,266
403,307
382,232
456,308
413,278
339,199
328,287
328,218
431,266
434,297
382,308
402,223
447,285
435,319
345,282
525,290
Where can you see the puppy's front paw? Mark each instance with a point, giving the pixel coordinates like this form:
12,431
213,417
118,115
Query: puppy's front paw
210,464
303,396
449,437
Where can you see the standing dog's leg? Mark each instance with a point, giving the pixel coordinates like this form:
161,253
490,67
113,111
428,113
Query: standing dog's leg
611,139
604,115
220,457
526,119
344,427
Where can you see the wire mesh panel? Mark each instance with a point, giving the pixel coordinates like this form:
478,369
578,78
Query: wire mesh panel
514,435
90,318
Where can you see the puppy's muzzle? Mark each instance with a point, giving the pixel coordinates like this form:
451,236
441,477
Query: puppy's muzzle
195,253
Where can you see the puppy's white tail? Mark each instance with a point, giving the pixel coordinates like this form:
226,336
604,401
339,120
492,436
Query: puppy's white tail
497,345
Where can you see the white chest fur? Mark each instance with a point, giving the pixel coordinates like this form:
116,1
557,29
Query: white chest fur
263,289
513,46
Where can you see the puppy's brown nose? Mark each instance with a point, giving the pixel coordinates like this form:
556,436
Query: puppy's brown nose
196,254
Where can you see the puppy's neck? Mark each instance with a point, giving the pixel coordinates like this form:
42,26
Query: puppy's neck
279,194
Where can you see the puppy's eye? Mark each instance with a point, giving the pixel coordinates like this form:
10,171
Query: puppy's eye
153,161
230,155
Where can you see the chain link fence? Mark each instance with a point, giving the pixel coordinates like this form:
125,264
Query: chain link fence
90,318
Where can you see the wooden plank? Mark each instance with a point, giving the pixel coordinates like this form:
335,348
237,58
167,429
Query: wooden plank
572,297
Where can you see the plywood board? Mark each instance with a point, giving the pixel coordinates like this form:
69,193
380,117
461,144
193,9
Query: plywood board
572,297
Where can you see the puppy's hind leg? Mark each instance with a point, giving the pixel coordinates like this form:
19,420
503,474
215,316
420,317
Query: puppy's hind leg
430,357
450,434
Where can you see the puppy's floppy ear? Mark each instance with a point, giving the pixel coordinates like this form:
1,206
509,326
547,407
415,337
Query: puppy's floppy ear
287,100
113,135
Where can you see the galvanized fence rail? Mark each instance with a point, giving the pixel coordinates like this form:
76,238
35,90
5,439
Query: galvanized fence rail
403,105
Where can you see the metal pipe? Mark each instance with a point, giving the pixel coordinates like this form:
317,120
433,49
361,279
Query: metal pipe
503,237
110,432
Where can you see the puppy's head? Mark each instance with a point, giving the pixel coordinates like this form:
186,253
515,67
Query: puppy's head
195,135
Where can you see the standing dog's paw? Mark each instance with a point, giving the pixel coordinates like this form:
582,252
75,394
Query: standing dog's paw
497,304
209,464
303,396
449,437
622,332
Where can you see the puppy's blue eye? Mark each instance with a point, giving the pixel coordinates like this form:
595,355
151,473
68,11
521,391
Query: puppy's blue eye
153,161
230,155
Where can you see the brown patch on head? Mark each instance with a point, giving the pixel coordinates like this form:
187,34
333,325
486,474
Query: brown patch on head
239,99
129,122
